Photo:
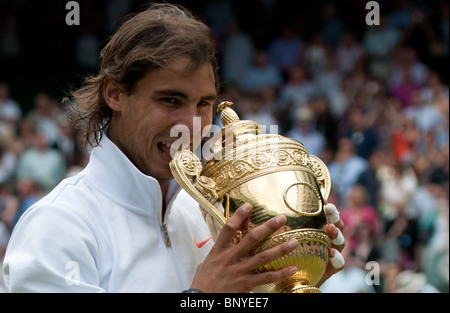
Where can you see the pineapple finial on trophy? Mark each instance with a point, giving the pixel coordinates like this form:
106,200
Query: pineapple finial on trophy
228,115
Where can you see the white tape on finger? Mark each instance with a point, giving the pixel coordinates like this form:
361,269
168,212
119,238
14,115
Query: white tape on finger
339,240
332,213
337,261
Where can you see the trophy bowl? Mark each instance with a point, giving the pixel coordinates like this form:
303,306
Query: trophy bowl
276,175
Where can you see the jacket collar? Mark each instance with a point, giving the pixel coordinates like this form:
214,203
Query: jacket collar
115,176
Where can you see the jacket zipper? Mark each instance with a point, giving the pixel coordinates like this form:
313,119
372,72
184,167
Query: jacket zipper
171,253
166,235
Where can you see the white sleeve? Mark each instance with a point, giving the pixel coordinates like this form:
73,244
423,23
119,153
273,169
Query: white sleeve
52,250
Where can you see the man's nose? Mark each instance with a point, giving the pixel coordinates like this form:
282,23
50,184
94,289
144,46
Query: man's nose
190,117
188,126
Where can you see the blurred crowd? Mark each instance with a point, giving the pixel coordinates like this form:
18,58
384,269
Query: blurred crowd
371,101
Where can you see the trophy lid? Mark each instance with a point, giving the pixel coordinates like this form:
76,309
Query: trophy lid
233,128
245,151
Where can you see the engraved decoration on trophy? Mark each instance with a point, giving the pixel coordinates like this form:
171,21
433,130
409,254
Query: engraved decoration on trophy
276,175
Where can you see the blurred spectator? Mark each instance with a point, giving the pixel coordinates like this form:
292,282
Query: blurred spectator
237,54
66,140
407,68
340,96
284,51
10,113
409,281
426,115
398,184
261,74
389,272
328,81
28,193
256,111
325,122
436,251
351,279
43,117
405,137
357,213
4,238
369,177
366,246
332,24
25,134
8,205
345,168
434,92
405,88
314,56
402,233
42,163
363,137
379,43
349,52
298,89
8,161
304,131
270,98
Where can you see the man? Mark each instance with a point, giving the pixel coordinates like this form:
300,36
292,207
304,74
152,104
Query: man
123,224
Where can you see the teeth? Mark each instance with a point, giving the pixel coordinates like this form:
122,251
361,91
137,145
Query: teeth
178,147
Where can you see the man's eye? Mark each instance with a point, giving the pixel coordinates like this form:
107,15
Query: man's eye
171,100
204,103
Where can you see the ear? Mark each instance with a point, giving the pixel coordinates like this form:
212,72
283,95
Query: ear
112,92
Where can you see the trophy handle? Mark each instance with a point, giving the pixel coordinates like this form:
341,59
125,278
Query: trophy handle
186,169
322,175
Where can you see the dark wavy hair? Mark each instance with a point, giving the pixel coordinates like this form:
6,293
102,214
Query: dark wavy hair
144,43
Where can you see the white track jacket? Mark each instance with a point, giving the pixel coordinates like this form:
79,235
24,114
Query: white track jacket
102,231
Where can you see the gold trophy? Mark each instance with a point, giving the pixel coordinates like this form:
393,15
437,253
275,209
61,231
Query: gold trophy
276,175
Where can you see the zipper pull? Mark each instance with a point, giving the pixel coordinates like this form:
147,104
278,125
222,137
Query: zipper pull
166,235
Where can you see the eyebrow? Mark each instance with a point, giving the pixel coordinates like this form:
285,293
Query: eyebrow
182,95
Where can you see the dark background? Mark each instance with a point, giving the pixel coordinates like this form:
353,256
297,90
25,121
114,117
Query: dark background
46,62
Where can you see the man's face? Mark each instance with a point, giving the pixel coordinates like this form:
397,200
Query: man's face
164,98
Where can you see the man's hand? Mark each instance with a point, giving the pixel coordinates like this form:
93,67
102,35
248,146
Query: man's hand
231,267
334,231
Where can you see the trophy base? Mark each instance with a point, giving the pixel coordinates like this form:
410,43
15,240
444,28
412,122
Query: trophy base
300,288
310,258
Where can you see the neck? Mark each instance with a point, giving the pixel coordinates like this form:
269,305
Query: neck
164,184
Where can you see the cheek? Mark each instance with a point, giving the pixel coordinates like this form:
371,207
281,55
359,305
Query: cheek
206,121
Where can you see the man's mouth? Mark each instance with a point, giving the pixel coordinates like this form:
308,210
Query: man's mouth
164,149
168,149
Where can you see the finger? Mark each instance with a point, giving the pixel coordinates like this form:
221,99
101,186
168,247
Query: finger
332,214
273,276
335,264
271,254
261,233
336,259
335,234
339,239
233,224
